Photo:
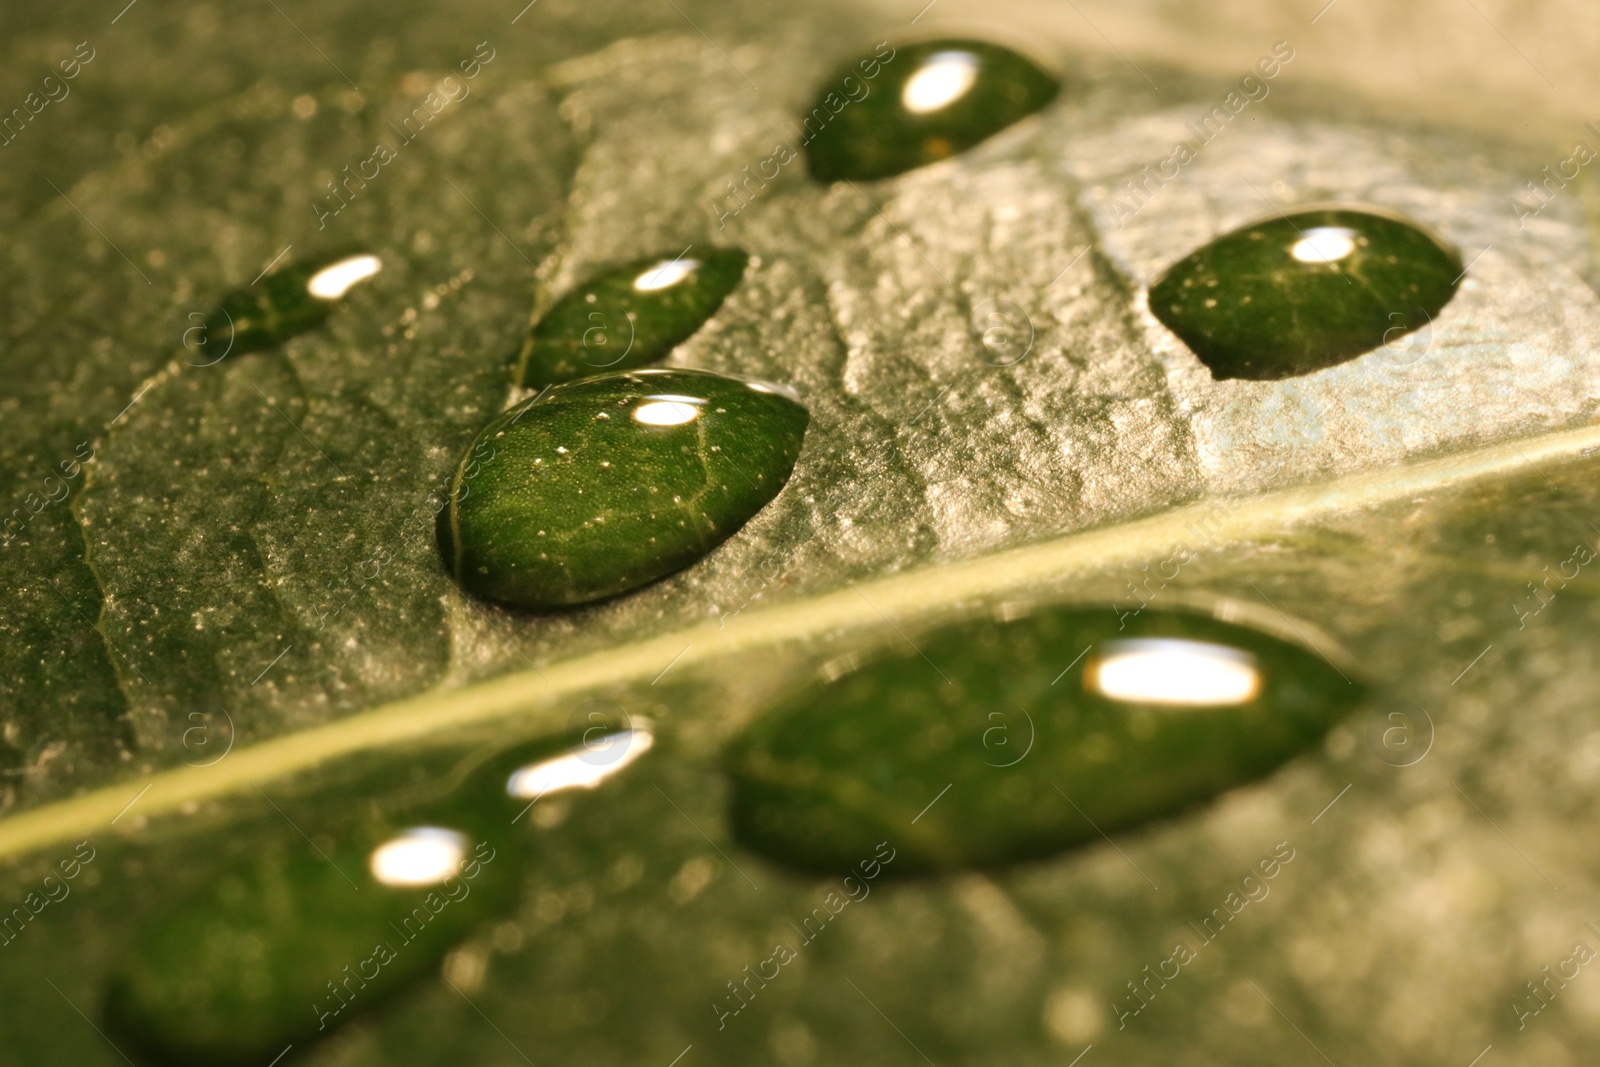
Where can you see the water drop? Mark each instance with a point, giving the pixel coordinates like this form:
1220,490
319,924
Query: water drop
282,304
629,316
293,941
294,937
996,742
898,109
598,486
1301,292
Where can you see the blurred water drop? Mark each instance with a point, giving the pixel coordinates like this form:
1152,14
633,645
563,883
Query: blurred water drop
277,306
994,742
628,316
901,108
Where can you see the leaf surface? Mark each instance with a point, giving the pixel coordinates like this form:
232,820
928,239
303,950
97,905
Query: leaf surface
253,539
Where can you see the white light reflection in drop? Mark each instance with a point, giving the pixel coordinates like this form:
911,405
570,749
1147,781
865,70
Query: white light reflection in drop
583,768
668,410
334,280
665,275
1175,671
1324,244
944,78
786,391
423,855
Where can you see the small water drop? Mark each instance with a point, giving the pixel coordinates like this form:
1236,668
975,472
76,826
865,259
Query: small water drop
282,304
583,526
628,316
898,109
1004,741
294,941
1297,293
297,936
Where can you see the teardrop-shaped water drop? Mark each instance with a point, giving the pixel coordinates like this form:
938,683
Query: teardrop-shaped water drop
299,937
898,109
1300,292
996,742
604,484
628,317
279,305
296,940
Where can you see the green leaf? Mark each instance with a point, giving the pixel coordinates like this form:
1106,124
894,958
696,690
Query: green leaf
248,562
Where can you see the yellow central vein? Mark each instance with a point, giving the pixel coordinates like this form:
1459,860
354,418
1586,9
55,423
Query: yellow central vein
527,697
